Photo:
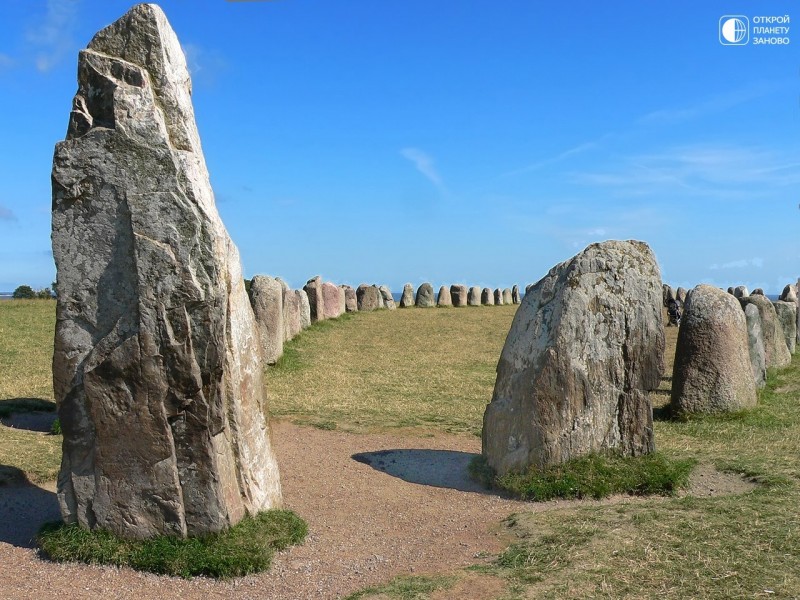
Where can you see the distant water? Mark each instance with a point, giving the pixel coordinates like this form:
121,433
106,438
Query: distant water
6,295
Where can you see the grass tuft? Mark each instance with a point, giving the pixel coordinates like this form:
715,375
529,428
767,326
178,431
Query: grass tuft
406,588
594,476
245,548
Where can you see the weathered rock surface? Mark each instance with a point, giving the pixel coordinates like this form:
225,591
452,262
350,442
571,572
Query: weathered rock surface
291,313
305,309
157,368
757,292
680,295
266,298
789,293
474,296
585,346
755,343
667,293
777,352
386,296
713,371
507,298
407,299
316,301
741,291
458,294
369,297
498,296
515,297
730,290
350,300
332,300
787,319
487,297
425,296
443,297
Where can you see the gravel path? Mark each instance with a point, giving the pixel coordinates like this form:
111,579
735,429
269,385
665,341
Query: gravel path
377,506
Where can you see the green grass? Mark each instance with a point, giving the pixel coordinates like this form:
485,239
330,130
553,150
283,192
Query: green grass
594,476
406,588
421,369
247,547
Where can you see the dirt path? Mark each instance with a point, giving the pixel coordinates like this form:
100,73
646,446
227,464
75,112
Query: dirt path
377,506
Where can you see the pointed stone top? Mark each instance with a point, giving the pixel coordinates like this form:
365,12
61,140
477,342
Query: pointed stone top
144,37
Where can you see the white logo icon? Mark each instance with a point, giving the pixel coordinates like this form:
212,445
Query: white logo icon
734,30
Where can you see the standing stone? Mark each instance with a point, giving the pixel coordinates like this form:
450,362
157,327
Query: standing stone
787,319
458,294
316,301
789,293
474,296
507,298
498,296
528,288
755,343
369,297
730,290
585,347
305,309
157,367
757,292
680,295
291,313
668,293
741,291
332,300
487,297
777,352
425,296
266,298
515,297
388,299
350,300
713,371
407,299
443,297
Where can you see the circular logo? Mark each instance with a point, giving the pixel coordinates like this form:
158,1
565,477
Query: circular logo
734,30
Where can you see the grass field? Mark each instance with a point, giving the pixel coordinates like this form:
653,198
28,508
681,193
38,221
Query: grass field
433,370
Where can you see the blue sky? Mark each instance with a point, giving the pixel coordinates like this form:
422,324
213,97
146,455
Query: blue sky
478,142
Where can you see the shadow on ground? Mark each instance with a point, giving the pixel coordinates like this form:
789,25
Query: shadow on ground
437,468
39,421
24,508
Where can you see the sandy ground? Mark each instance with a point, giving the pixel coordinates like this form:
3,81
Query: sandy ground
377,506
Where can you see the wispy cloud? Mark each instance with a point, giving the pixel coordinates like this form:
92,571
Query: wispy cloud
53,36
6,214
205,66
579,149
712,105
6,62
425,165
739,264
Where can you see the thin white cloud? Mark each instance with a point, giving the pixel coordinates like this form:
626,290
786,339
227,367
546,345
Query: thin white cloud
204,65
53,36
579,149
739,264
425,165
6,214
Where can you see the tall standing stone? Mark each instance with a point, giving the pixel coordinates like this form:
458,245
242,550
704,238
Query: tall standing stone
713,371
425,296
515,297
789,293
458,294
667,293
305,309
507,298
755,343
680,295
332,300
157,368
407,299
350,300
498,297
777,351
585,347
369,297
291,313
474,296
316,301
787,319
741,291
487,297
266,298
388,299
443,298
